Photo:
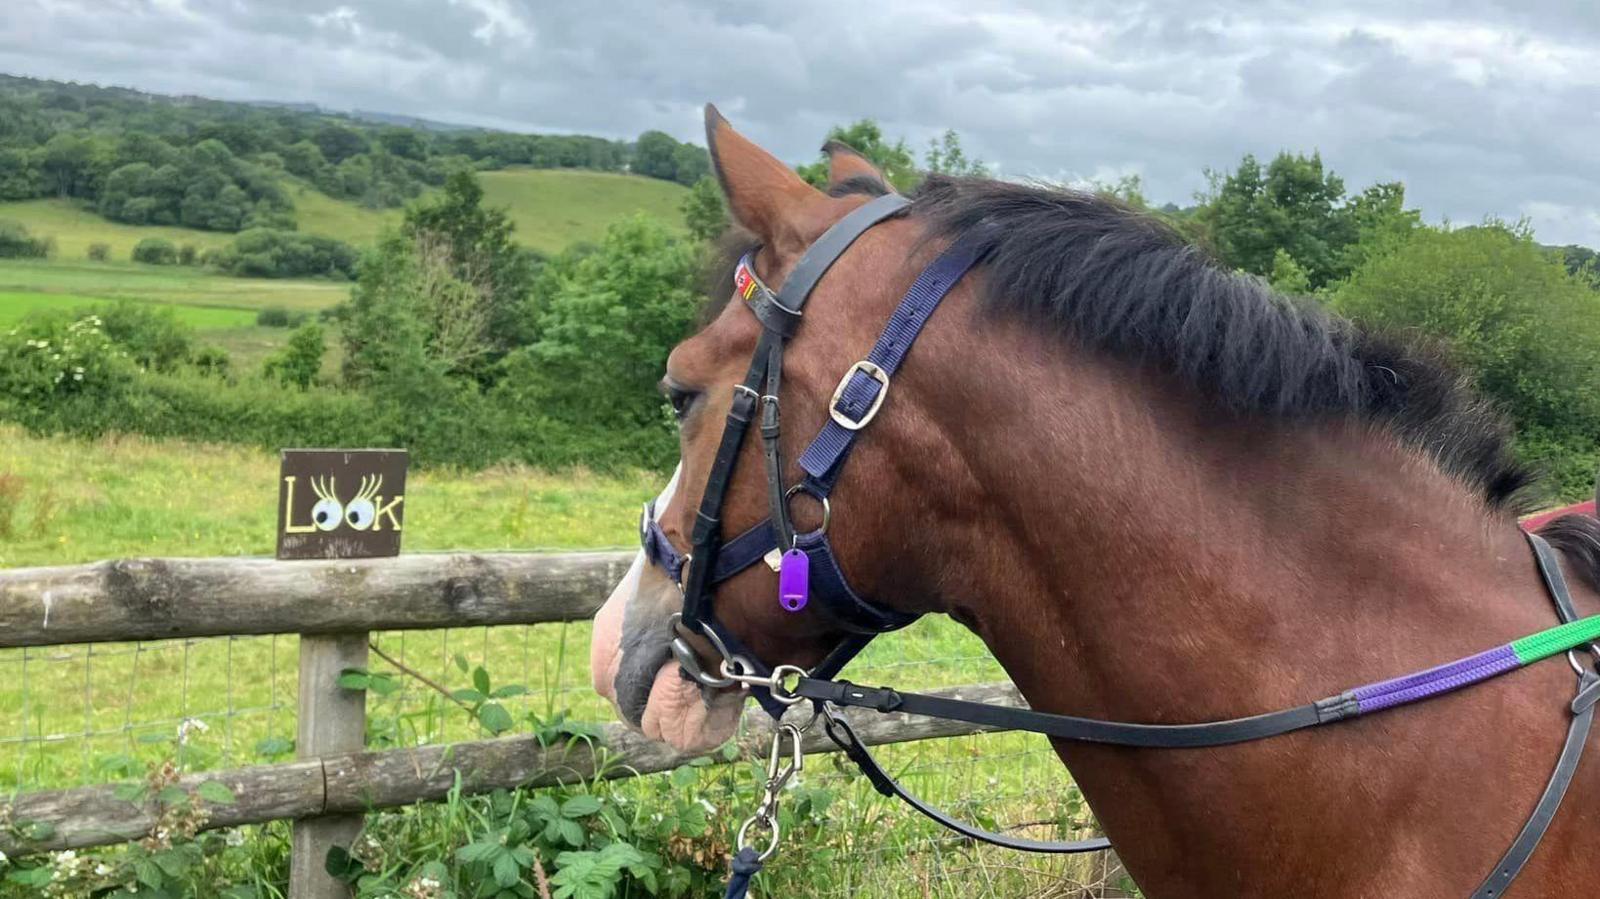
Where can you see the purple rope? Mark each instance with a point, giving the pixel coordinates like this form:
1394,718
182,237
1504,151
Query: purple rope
1434,681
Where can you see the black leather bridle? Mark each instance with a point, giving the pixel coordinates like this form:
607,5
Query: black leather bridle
807,560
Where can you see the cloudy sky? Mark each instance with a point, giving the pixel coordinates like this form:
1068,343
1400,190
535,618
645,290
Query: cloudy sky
1481,106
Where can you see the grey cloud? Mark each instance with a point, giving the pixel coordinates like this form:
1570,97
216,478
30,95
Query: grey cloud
1480,106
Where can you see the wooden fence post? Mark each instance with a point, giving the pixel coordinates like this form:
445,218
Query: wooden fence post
332,720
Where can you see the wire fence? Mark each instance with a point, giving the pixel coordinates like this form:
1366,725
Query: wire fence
80,714
87,714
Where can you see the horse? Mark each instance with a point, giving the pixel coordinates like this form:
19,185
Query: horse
1159,492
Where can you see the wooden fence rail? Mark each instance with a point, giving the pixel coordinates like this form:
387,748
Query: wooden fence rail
357,782
333,605
157,599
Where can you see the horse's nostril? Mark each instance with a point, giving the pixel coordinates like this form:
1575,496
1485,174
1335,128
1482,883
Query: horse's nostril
636,675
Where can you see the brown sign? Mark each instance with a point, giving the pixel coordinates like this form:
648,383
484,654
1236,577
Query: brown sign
341,504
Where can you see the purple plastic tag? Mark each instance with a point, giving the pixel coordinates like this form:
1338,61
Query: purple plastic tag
794,580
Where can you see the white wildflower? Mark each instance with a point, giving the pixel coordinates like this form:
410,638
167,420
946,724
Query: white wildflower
187,725
102,869
234,837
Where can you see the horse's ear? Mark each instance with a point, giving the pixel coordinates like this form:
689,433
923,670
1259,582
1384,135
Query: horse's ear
764,195
845,163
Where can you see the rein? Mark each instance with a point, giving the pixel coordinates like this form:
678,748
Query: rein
808,570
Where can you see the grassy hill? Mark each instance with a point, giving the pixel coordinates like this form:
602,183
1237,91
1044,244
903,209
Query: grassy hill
553,209
75,228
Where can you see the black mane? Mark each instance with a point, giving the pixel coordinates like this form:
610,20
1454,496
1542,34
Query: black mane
1126,283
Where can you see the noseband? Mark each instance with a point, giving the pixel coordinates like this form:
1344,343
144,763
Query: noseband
809,571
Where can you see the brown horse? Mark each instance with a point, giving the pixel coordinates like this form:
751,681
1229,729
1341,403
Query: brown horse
1159,493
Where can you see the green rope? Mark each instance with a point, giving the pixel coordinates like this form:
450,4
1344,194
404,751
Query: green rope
1557,639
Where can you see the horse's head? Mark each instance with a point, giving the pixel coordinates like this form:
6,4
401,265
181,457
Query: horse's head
633,662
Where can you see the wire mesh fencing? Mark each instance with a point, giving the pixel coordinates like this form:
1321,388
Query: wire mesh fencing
92,713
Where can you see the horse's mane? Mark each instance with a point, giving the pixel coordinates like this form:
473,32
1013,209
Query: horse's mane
1126,283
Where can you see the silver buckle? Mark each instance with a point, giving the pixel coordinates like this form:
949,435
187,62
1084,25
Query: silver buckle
872,370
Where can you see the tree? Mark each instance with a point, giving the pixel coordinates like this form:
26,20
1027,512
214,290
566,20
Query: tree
610,319
655,156
451,285
298,363
1526,329
17,243
1380,220
21,177
70,165
704,212
1127,189
155,251
1293,205
894,160
1287,275
689,164
339,143
945,156
304,158
407,143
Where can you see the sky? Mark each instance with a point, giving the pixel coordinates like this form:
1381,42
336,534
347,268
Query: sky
1481,107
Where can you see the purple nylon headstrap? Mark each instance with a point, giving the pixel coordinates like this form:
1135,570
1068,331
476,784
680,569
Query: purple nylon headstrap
863,388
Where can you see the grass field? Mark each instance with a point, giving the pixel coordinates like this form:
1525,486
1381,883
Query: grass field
88,714
68,501
14,305
75,227
553,209
167,284
317,213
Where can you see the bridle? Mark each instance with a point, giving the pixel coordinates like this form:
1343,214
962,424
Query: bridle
808,571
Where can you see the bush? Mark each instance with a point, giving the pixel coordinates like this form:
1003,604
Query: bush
52,360
212,360
155,251
280,317
1524,327
151,335
277,253
187,254
298,363
100,252
17,243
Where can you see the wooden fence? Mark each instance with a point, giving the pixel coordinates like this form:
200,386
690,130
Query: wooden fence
333,605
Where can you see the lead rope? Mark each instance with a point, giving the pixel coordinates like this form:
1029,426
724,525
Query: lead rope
748,861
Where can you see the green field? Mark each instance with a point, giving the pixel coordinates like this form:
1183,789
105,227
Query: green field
317,213
75,228
89,714
14,305
553,209
167,284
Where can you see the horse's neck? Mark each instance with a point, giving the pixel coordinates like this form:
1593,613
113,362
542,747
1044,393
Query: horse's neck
1140,563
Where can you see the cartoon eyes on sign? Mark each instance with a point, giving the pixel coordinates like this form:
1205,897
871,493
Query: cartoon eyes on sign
360,513
327,512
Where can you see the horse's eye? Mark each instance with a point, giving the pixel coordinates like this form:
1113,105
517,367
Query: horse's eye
681,398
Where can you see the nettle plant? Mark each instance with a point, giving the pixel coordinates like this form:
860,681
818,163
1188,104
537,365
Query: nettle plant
174,860
666,836
607,837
